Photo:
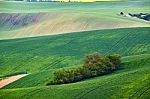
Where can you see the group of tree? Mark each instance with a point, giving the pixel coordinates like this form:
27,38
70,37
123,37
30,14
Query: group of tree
145,16
94,65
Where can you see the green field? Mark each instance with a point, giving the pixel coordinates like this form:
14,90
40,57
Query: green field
28,43
36,19
40,56
131,81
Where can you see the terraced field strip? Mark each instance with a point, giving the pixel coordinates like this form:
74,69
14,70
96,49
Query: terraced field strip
11,79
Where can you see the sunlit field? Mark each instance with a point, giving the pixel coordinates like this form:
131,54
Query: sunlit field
39,38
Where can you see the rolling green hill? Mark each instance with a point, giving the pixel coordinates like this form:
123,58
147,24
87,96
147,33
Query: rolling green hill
40,56
52,52
90,27
23,19
131,81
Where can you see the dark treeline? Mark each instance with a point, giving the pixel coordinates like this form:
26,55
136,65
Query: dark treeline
145,16
94,65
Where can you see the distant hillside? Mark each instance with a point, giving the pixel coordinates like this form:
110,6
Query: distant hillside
61,0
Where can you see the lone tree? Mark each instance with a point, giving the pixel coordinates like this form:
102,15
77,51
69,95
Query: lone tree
121,13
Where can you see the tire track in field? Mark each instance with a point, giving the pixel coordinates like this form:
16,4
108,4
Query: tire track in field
54,63
129,52
128,49
146,60
133,51
139,91
144,40
30,92
143,92
38,90
57,61
85,93
118,42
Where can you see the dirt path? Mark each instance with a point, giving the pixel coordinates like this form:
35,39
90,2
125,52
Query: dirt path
10,80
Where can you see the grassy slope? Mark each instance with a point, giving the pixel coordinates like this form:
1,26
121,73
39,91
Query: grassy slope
52,52
130,81
69,17
40,56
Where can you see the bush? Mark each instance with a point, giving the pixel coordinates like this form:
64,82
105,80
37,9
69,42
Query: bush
92,59
115,59
94,65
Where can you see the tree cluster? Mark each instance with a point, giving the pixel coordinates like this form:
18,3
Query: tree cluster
145,16
94,65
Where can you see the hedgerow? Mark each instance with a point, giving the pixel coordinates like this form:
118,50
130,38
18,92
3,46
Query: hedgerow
94,65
